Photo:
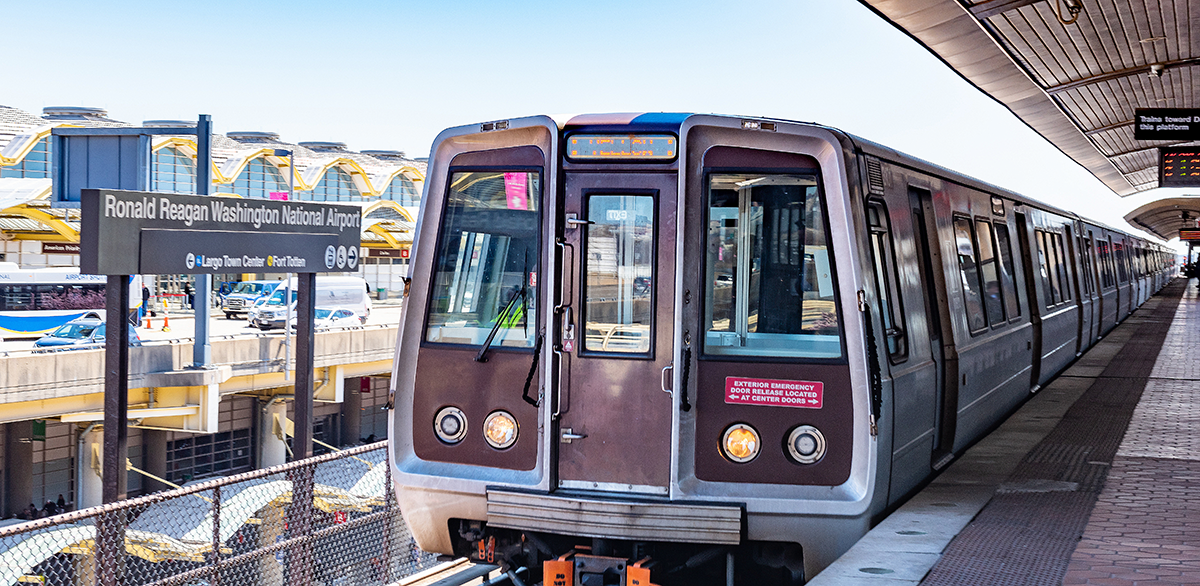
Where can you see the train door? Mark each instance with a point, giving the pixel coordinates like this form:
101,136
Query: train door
1035,305
941,337
617,327
1073,256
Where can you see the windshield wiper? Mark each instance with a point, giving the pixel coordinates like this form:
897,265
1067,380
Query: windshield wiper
487,344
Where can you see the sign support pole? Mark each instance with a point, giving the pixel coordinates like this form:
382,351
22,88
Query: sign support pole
300,567
201,348
111,526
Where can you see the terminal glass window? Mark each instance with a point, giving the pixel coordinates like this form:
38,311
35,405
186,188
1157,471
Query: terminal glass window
36,164
402,190
335,185
485,272
260,179
969,274
174,171
989,269
1004,250
769,268
619,264
887,282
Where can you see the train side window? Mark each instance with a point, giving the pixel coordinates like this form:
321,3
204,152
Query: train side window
619,265
1060,266
1004,250
1102,255
993,295
1122,268
969,272
769,268
887,282
1049,287
484,279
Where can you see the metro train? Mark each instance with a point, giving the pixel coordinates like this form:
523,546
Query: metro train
679,348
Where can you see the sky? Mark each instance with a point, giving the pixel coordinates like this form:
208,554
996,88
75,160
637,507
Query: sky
392,74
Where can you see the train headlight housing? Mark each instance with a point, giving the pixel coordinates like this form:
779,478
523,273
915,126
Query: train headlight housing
500,430
806,444
740,443
450,425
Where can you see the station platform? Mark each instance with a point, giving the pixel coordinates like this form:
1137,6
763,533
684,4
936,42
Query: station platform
1095,480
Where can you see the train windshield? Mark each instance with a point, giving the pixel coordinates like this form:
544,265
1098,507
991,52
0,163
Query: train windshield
769,271
485,273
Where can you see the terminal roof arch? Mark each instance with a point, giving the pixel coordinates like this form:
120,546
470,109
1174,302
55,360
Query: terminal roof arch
1075,84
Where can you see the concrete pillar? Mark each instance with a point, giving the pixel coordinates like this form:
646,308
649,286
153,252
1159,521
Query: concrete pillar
18,463
273,450
154,459
91,485
352,412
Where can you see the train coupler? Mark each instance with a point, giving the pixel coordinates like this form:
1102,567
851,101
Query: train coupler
571,569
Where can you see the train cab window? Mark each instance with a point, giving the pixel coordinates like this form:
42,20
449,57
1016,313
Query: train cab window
886,282
485,271
969,272
769,268
619,265
989,270
1004,251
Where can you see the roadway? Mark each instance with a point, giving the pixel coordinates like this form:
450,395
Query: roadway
183,327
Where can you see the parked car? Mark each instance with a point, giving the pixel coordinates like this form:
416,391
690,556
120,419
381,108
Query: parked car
243,296
82,331
332,292
327,318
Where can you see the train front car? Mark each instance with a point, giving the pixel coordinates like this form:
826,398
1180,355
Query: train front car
637,336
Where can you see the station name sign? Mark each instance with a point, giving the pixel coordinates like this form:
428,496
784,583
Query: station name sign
1166,124
133,232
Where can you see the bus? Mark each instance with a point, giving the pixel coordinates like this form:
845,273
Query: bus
36,301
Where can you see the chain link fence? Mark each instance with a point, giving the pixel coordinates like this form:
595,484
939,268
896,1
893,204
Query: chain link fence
325,521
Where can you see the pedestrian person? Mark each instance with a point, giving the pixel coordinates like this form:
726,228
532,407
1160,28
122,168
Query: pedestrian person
145,302
62,503
191,294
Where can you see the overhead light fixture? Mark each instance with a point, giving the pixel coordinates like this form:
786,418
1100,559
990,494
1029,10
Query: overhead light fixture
1156,70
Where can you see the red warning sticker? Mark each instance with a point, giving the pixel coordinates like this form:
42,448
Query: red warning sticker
773,393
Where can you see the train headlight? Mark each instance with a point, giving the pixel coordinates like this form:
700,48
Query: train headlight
500,430
450,425
740,443
806,444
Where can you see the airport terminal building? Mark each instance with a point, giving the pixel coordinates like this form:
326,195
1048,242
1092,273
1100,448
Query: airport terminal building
181,429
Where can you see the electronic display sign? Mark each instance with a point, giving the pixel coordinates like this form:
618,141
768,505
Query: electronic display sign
1179,167
1191,235
646,147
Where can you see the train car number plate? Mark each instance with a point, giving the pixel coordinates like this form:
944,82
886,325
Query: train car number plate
774,393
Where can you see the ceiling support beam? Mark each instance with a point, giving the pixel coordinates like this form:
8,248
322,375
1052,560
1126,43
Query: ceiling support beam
993,7
1129,72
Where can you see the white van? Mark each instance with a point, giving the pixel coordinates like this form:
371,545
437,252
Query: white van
332,293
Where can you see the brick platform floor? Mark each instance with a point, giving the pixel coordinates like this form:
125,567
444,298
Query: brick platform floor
1145,527
1094,503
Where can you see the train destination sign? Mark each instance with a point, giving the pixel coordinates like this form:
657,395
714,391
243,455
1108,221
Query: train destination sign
1166,124
1187,235
1179,167
133,232
650,147
774,393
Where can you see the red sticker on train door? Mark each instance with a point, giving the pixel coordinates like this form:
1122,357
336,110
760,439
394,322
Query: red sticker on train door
774,393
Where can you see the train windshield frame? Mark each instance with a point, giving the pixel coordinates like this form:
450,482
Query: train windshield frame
780,300
495,214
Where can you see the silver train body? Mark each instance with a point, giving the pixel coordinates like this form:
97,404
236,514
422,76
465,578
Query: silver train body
670,334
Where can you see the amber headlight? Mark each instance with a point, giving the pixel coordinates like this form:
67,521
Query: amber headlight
500,430
806,444
740,443
450,425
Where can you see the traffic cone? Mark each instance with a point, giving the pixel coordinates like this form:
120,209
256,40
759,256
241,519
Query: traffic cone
149,325
166,323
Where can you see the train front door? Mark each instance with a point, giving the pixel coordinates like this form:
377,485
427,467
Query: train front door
614,344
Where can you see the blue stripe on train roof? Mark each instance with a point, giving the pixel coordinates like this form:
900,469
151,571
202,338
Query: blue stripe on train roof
628,122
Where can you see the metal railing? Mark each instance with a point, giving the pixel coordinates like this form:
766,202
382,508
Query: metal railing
329,520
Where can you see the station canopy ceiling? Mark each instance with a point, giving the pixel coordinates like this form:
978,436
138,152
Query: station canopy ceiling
1073,70
1165,217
